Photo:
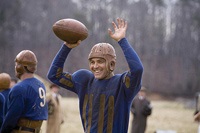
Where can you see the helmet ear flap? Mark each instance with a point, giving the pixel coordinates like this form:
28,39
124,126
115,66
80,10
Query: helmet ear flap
19,70
112,65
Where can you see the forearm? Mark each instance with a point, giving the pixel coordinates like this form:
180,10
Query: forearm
56,68
56,74
133,78
131,56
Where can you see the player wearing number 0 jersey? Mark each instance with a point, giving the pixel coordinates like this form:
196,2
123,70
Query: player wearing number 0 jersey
27,108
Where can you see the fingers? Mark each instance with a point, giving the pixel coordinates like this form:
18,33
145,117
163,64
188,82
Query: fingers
114,25
121,23
110,32
125,25
119,31
72,45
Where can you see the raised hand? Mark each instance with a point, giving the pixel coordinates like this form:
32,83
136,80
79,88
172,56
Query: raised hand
119,29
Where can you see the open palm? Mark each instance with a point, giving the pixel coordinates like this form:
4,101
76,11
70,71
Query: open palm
119,29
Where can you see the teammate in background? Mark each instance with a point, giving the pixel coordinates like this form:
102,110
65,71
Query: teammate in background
2,103
141,109
56,116
27,104
197,111
13,82
5,80
104,98
197,117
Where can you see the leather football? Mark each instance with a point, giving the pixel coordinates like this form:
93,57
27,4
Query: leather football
70,30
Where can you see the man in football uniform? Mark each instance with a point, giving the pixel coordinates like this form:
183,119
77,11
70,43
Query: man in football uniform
2,103
5,81
27,104
104,98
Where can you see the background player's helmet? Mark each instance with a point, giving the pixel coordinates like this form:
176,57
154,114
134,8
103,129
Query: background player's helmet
5,80
26,61
105,51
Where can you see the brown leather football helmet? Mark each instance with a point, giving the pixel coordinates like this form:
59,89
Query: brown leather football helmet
5,80
25,62
105,51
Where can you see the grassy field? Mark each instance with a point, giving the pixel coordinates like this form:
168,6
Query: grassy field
166,115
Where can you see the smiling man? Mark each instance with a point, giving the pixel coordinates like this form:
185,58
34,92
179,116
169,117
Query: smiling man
104,98
102,60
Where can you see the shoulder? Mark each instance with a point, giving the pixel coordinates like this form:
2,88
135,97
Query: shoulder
22,86
82,73
82,76
36,80
6,92
33,83
17,89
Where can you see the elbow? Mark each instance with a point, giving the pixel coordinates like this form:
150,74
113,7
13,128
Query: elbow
50,76
136,68
139,70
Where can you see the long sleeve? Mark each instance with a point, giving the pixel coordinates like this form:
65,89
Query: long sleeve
56,74
2,101
13,114
133,78
59,59
131,56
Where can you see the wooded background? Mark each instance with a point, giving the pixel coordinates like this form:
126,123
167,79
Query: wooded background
165,34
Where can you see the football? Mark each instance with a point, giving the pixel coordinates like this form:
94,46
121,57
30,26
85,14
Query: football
70,30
